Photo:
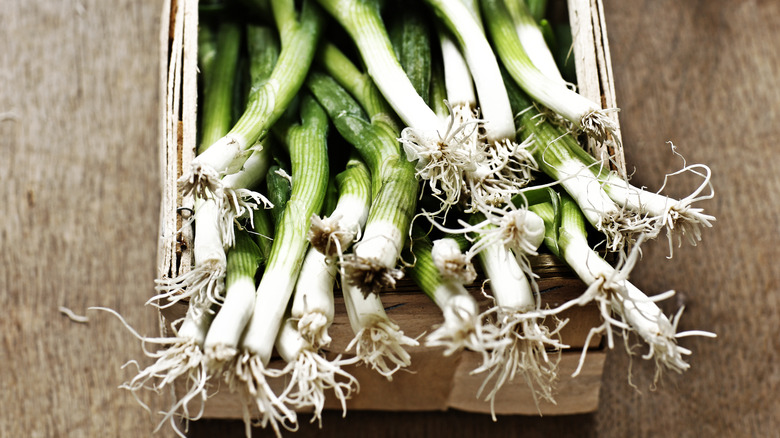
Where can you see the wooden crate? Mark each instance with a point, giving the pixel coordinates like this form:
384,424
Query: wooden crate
434,382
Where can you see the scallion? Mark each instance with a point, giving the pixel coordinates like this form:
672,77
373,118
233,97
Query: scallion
622,305
298,35
307,147
580,111
372,265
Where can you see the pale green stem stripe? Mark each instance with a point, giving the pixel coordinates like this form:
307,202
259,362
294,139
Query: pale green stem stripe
532,39
219,76
361,19
308,156
299,43
478,53
357,83
551,93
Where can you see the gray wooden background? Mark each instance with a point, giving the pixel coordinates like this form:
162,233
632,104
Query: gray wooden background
79,195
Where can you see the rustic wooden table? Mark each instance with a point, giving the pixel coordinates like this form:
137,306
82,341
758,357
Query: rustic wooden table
79,181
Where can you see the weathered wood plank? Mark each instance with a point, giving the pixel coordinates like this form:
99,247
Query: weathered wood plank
704,75
80,187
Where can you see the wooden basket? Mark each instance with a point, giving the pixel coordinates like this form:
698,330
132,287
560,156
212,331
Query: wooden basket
434,382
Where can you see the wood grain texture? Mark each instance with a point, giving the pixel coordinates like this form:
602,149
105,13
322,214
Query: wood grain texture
704,75
78,92
80,188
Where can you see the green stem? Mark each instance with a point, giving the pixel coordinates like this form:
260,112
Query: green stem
308,157
219,76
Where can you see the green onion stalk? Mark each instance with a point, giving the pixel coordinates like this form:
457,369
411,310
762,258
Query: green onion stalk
409,33
536,8
330,237
494,103
493,100
235,197
484,161
530,348
307,146
441,167
244,259
532,39
438,89
243,262
262,232
552,93
425,132
279,187
333,234
560,157
362,20
447,170
441,270
299,34
305,331
622,305
372,264
489,175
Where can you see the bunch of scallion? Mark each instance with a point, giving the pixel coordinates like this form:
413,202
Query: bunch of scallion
437,141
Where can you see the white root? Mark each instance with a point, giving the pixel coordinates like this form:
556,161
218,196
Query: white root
598,125
180,357
72,315
623,306
525,346
204,284
369,276
678,217
249,377
218,356
462,166
506,169
313,328
378,341
330,236
202,181
441,159
235,204
381,347
313,374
